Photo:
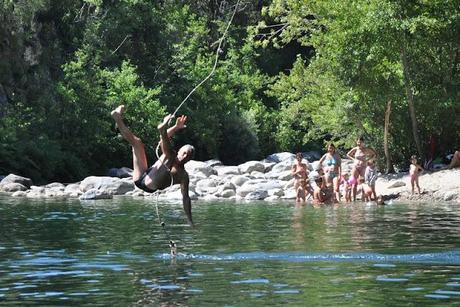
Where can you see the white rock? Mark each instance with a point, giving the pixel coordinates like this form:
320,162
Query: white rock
93,194
197,166
210,197
258,175
450,195
19,194
108,185
276,192
72,188
206,185
251,166
239,180
55,185
268,166
256,195
213,162
289,194
12,178
227,170
285,176
227,193
12,187
281,156
281,167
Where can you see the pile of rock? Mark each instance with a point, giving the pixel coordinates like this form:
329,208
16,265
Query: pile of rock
269,179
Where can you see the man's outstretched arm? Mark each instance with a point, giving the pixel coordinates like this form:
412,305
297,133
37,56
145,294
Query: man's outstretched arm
180,124
165,142
186,201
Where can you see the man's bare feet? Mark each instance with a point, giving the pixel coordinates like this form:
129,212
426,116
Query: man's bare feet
118,112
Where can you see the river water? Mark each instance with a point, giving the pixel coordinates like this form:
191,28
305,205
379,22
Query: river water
115,253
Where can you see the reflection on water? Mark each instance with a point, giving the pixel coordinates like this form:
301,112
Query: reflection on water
114,252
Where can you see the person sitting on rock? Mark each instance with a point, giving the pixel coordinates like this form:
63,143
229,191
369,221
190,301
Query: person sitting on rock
169,167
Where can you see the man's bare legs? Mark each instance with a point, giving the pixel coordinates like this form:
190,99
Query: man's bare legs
139,157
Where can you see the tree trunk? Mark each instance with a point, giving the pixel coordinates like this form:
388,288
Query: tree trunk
410,99
390,168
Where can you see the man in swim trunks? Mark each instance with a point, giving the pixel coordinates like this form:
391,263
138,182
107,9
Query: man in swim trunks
333,169
360,155
169,167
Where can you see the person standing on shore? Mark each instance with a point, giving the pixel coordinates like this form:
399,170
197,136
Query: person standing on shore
169,167
300,173
414,172
333,170
455,162
360,155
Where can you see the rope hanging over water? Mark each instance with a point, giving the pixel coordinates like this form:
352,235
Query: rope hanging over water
215,61
172,244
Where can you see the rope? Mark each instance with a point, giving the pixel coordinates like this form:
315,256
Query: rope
172,244
215,61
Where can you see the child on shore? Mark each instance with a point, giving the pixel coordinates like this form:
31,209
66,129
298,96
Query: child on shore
345,187
370,176
414,172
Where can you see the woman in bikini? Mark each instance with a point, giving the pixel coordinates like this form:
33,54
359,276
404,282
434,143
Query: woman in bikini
300,173
360,155
333,169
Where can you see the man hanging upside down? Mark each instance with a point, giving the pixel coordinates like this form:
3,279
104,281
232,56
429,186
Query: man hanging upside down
158,176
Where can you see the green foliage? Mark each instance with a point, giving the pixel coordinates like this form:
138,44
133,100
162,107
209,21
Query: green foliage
336,66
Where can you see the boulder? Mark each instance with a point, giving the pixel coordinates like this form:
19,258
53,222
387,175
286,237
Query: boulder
93,194
251,166
278,192
177,195
36,192
72,188
257,195
19,194
193,167
12,187
272,198
108,185
55,185
311,155
257,185
210,197
239,180
123,172
11,178
227,193
213,163
268,166
281,167
50,193
289,194
282,156
450,195
285,176
258,175
227,170
206,185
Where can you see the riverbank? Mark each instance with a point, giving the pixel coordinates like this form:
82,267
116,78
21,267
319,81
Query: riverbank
268,180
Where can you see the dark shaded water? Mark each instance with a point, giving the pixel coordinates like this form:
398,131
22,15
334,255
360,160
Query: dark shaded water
113,252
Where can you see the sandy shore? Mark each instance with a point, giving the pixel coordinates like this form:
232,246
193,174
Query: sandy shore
442,185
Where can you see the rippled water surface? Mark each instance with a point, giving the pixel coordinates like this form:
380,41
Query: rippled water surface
114,252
